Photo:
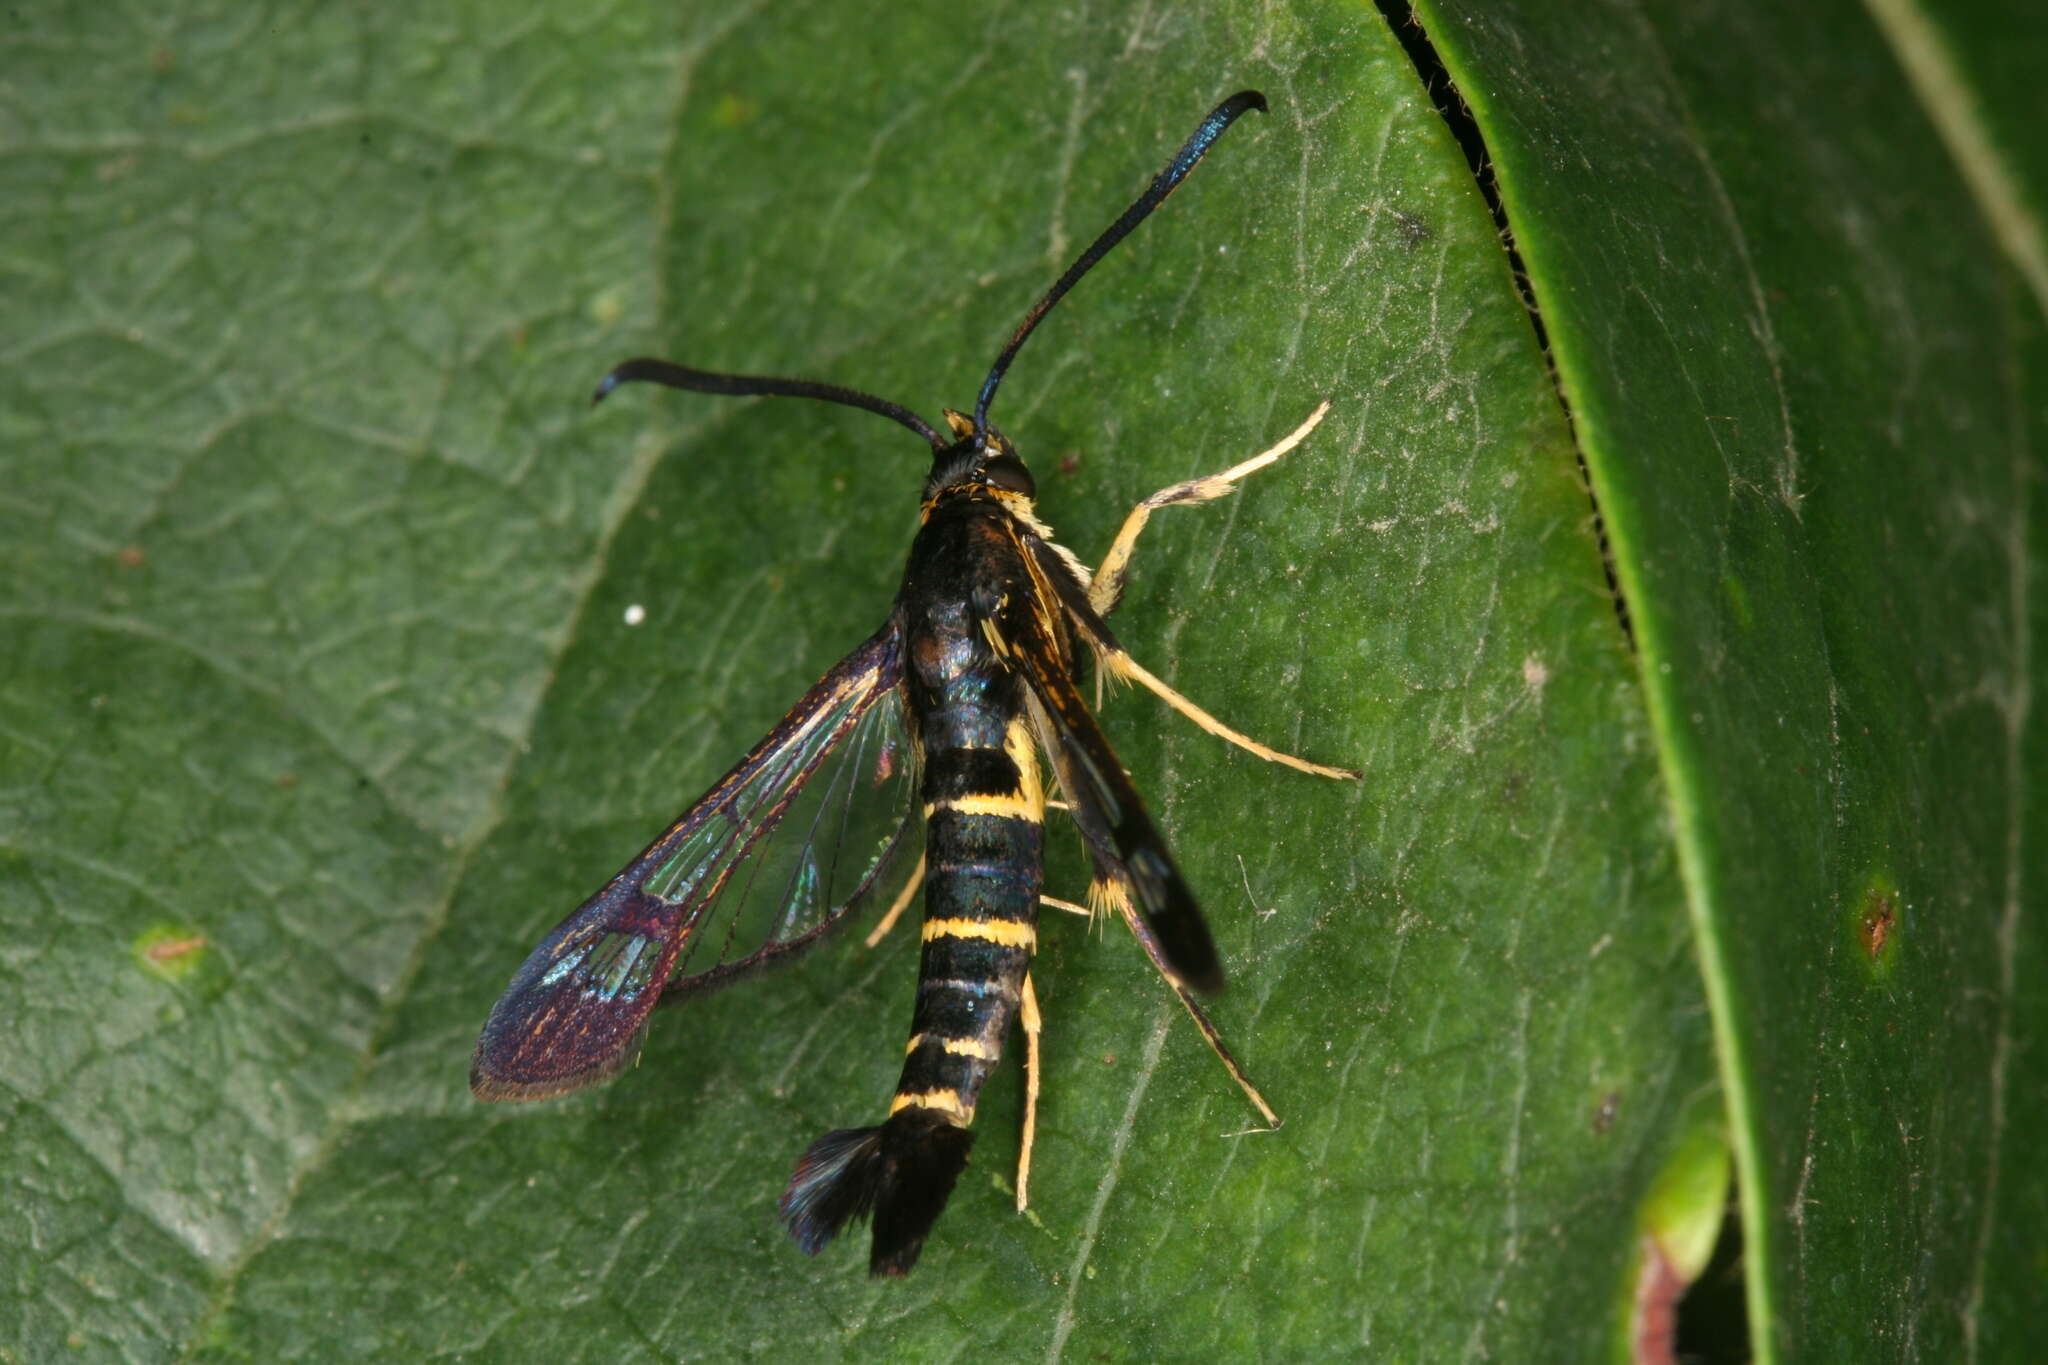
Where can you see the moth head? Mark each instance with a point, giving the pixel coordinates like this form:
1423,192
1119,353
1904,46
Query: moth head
991,462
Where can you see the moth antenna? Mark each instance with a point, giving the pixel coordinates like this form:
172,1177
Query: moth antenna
750,385
1191,152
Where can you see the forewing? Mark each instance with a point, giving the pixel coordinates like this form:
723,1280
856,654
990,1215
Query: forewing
760,867
1106,802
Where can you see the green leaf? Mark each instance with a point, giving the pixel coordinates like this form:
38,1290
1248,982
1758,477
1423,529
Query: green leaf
321,703
1816,463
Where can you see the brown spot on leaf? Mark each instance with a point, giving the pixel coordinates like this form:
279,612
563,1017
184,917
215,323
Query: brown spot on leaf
171,949
1880,913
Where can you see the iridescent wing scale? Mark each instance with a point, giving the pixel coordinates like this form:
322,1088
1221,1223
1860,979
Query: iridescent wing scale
762,866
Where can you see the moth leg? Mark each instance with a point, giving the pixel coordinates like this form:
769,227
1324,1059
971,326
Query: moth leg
900,904
1028,1015
1110,889
1057,904
1107,587
1117,661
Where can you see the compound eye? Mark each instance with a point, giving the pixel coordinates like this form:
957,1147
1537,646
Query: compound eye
1008,473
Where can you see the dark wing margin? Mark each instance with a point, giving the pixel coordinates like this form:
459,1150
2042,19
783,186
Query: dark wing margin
758,868
1106,802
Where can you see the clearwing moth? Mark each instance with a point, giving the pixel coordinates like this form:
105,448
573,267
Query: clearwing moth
939,717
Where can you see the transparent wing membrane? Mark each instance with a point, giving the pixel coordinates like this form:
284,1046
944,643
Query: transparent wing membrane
760,867
795,849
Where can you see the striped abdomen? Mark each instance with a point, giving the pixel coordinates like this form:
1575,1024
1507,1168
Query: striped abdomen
984,857
984,854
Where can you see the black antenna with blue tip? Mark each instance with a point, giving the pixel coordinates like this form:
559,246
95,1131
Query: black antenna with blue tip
1191,152
744,385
